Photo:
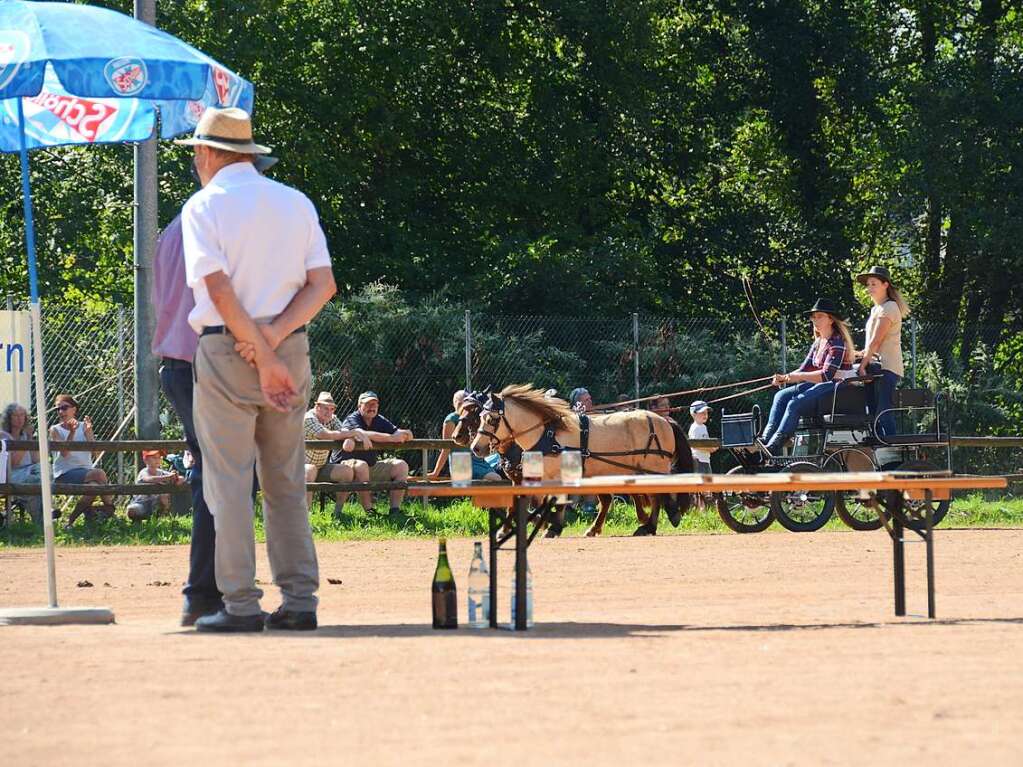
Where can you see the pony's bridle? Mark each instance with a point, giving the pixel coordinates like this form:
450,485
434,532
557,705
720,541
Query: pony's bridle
492,416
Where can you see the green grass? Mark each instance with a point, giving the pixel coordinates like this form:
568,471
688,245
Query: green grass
456,519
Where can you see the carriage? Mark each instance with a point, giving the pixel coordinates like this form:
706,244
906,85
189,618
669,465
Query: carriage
839,435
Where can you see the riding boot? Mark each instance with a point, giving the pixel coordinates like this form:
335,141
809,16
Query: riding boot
776,446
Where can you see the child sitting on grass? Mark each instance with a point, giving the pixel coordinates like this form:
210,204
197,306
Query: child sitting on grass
144,506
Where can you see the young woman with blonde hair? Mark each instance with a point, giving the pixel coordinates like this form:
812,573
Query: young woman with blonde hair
884,344
829,359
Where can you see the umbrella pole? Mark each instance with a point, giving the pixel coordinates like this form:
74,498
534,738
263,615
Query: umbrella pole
37,348
51,614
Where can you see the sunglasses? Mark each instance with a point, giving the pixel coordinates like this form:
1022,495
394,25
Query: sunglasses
65,406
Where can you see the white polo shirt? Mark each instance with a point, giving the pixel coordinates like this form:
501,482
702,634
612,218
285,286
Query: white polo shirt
262,234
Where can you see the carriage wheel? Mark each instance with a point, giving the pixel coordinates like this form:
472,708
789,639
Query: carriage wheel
911,512
744,512
857,513
802,511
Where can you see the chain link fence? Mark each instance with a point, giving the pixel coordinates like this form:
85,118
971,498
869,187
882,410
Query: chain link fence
415,358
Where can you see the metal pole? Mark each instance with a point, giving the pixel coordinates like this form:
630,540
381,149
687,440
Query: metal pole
521,544
493,527
912,327
468,350
37,361
784,347
120,386
635,352
147,422
898,552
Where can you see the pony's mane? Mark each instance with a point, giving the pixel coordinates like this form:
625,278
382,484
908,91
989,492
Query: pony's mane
533,400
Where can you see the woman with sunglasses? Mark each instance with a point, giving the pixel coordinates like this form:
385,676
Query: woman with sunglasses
74,467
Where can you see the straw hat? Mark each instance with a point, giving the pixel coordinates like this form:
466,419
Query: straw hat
228,129
324,398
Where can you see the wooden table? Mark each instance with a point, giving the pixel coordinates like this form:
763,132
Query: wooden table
892,487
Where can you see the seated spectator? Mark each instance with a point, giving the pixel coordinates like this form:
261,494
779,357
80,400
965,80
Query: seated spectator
23,466
662,406
322,423
144,506
482,468
381,431
580,400
74,467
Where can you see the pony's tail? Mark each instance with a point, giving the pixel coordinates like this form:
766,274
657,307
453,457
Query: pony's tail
682,463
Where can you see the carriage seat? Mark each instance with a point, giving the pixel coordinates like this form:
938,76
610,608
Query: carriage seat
848,411
906,401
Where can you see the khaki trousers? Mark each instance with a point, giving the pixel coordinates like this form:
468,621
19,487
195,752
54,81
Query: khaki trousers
236,429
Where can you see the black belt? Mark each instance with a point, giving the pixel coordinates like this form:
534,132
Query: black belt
175,364
214,330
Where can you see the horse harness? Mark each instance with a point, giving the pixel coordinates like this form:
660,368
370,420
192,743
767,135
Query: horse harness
548,443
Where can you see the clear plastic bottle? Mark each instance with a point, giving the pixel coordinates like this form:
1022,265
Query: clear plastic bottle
529,598
479,590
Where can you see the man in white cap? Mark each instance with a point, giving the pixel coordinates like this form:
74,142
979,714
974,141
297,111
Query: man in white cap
257,262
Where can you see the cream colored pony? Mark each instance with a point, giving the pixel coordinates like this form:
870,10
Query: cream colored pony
631,442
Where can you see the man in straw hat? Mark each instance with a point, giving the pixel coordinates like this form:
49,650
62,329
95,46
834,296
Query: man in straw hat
257,262
175,344
322,423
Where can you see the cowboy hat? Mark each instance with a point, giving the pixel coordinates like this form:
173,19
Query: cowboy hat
827,306
875,271
324,398
228,129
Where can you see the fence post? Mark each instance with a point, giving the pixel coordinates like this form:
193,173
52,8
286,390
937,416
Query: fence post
10,303
120,386
146,194
784,347
635,352
468,350
912,326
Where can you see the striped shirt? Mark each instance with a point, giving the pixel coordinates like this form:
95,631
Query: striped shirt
827,356
314,430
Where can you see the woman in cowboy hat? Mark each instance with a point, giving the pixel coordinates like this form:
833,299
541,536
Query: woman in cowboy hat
829,359
884,340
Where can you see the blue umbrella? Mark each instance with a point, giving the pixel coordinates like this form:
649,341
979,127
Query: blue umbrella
77,74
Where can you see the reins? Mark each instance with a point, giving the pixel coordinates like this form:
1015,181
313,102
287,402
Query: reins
700,390
737,395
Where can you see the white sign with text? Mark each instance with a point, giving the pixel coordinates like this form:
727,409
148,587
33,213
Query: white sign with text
15,358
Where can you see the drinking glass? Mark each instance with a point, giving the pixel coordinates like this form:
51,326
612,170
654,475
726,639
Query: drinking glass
532,467
571,467
461,469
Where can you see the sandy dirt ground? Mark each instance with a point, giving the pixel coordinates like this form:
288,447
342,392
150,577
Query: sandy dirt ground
770,649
